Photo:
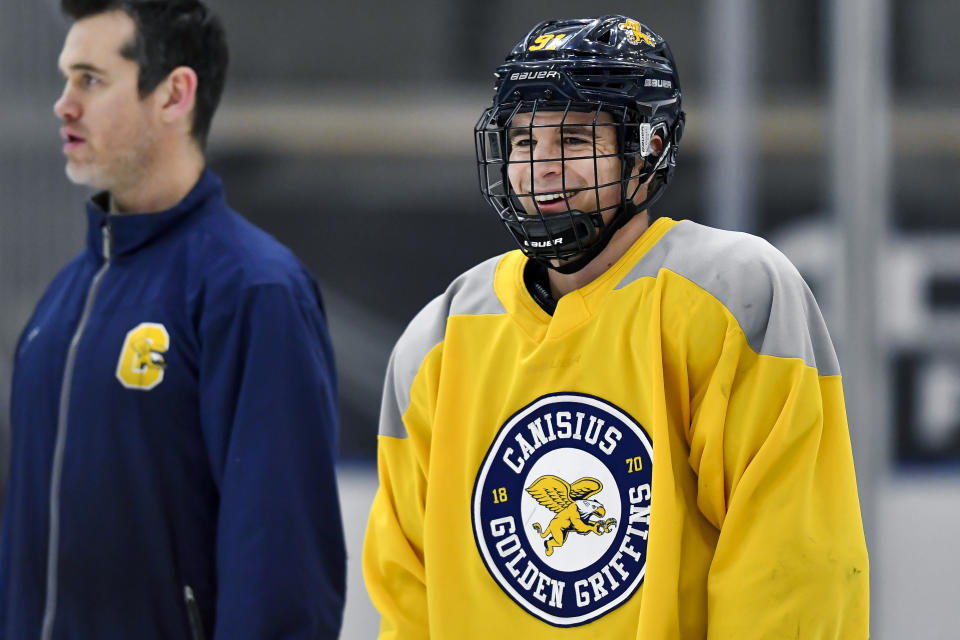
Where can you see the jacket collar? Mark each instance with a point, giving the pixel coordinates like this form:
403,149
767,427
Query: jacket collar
132,231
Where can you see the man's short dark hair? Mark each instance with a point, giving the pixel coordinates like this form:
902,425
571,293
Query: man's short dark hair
170,34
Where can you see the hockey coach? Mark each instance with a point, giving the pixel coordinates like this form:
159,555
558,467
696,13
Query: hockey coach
174,401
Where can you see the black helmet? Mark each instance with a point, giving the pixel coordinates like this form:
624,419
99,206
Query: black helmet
609,65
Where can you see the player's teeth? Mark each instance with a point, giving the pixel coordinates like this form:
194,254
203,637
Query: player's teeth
550,196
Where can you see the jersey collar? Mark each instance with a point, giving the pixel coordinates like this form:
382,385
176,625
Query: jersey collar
577,307
131,231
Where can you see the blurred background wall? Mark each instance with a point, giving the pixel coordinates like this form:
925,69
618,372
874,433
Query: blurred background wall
831,127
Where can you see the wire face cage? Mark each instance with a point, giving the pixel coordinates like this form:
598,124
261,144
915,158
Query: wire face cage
558,172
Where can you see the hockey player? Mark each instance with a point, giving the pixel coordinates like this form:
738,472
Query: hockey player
629,427
174,398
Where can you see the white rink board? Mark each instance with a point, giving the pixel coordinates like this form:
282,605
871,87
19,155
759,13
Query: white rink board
357,484
916,559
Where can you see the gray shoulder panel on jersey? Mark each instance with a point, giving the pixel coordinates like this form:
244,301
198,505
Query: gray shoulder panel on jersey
755,282
470,294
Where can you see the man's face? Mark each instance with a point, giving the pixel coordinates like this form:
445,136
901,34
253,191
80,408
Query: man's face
571,184
109,132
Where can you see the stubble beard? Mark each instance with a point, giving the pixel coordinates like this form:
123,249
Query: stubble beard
123,169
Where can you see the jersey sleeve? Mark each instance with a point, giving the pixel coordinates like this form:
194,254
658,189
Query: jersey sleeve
393,553
770,445
268,405
393,556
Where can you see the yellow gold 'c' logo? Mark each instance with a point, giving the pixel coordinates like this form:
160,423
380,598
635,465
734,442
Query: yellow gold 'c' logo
141,363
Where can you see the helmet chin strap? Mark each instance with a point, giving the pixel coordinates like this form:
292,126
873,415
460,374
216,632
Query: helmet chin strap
605,232
604,235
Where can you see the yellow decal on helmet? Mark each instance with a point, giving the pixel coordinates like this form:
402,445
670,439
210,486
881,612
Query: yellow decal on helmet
549,41
141,363
634,34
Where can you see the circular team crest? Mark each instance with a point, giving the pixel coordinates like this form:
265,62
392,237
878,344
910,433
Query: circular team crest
561,507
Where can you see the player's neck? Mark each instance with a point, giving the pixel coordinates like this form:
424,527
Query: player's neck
563,283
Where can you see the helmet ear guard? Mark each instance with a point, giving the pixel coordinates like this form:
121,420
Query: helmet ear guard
610,65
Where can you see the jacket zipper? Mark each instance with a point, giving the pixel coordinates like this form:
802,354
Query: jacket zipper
193,614
53,542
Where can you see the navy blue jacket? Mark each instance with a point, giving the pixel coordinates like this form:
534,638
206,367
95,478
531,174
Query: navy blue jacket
174,426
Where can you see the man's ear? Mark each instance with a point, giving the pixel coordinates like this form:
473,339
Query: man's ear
177,95
656,144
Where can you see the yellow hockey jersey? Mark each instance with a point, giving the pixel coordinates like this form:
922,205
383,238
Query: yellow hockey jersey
665,457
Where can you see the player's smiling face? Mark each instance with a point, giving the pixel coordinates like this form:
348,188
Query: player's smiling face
556,185
107,129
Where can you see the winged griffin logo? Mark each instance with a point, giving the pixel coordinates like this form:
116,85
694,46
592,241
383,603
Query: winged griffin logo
573,507
634,33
